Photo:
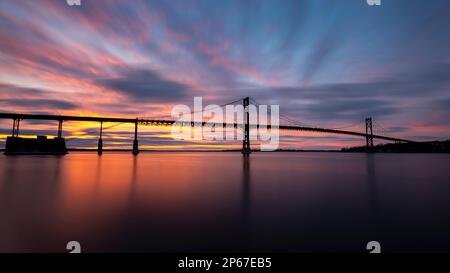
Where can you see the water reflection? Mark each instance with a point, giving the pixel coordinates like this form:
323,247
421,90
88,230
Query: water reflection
132,199
30,197
174,202
372,189
98,176
246,192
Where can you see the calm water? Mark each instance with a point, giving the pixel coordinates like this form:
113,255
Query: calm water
171,202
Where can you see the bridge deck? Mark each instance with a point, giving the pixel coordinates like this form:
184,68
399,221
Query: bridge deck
157,122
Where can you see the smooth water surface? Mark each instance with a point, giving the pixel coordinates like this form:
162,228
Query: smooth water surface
220,201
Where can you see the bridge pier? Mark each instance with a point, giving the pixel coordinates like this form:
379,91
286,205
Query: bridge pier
246,150
369,135
135,141
100,141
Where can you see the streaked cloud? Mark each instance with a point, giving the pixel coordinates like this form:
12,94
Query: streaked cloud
146,85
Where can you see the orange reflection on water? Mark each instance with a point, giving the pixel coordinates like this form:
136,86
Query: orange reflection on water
187,201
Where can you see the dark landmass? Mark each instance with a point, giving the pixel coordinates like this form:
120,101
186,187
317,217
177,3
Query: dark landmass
203,151
41,145
417,147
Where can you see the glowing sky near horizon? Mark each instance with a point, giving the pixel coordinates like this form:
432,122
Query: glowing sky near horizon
326,63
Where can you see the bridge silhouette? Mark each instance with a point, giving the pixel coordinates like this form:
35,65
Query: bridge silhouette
291,125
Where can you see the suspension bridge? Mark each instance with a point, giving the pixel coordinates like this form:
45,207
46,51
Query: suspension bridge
286,124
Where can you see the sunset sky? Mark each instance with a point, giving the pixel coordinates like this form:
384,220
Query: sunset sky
326,63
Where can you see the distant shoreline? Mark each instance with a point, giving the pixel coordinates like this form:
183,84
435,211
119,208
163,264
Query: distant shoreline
201,151
434,147
255,151
418,147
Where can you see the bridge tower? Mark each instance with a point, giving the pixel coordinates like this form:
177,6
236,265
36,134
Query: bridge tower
369,134
135,141
246,150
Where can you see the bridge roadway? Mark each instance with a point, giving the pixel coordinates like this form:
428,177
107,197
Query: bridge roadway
157,122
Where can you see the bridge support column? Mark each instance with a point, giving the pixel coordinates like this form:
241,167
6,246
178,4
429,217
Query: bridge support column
100,141
369,135
135,141
13,134
15,130
246,150
60,122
